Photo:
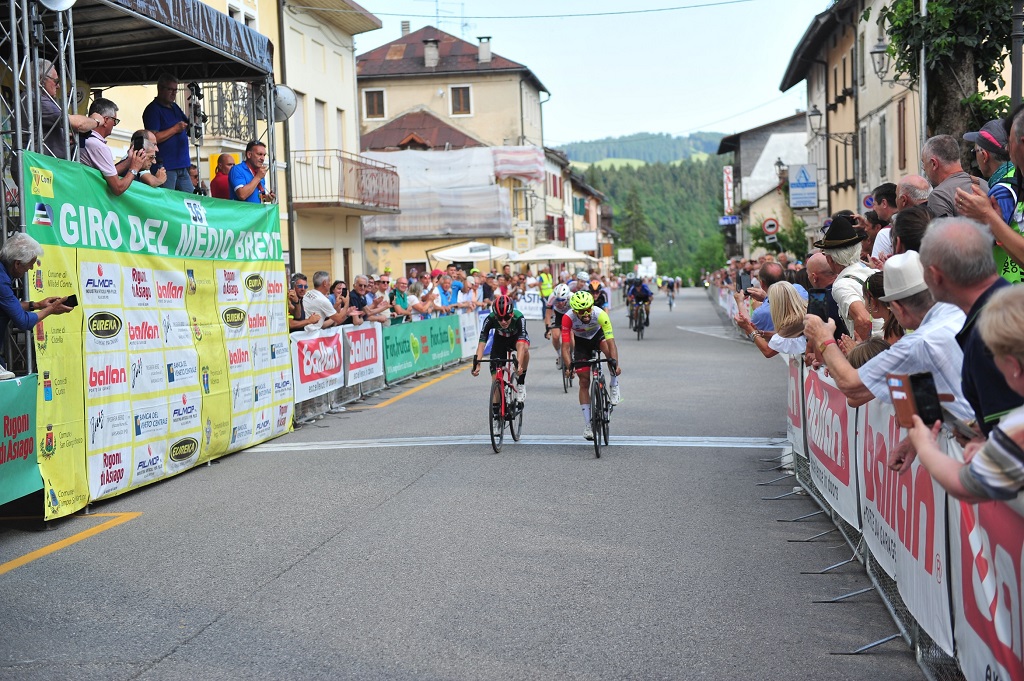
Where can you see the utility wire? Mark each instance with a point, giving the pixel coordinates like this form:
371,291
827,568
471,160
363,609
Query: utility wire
533,16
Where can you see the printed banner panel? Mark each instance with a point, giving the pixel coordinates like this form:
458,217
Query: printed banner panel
317,362
921,570
987,549
880,487
795,410
831,437
19,470
418,346
531,304
364,357
180,333
468,324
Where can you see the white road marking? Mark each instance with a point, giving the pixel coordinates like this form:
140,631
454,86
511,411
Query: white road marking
548,440
713,331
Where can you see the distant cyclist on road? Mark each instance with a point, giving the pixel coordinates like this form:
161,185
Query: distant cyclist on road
670,287
557,306
641,293
592,330
509,334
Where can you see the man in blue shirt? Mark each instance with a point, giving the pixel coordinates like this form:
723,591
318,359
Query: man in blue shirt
770,273
164,117
246,179
17,257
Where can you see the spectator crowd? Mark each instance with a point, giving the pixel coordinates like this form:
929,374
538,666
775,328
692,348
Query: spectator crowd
926,283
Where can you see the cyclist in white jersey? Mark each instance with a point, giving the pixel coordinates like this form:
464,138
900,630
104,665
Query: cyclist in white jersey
557,306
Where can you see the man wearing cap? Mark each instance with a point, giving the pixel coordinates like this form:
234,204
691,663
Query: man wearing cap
931,347
841,247
993,157
940,158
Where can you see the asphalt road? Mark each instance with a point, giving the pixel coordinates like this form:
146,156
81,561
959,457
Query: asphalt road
390,542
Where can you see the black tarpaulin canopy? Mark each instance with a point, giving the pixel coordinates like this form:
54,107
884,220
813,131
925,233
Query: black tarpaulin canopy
131,42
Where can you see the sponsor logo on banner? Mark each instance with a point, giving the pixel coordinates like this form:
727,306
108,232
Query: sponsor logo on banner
112,471
795,392
319,358
992,563
184,449
140,290
283,413
181,371
105,378
363,343
255,283
827,428
99,283
104,325
283,386
258,322
275,289
42,182
233,317
150,421
228,288
262,424
239,356
149,464
261,392
169,292
43,215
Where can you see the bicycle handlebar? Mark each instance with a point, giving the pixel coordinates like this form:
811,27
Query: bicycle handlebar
577,364
496,360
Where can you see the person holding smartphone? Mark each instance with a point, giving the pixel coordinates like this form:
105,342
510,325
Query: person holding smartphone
19,255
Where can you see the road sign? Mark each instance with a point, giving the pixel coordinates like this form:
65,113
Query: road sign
869,201
728,220
770,226
803,186
771,239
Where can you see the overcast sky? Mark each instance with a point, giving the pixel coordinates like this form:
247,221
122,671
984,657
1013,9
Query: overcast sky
711,65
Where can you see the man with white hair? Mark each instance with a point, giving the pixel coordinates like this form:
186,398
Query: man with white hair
316,302
940,158
841,247
18,256
55,142
96,154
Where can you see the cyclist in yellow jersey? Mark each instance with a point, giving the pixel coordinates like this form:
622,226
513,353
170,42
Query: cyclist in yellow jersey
592,329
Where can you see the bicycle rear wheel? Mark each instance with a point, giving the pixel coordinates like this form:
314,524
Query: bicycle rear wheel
496,416
596,415
606,413
566,382
515,413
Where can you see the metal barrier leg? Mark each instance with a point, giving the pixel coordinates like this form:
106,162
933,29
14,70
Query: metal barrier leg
799,518
810,539
833,567
873,644
840,599
797,492
781,477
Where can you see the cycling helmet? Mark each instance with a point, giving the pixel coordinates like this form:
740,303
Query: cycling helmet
583,275
503,307
562,292
581,300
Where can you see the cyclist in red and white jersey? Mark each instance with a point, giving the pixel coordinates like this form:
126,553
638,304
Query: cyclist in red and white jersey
556,307
592,330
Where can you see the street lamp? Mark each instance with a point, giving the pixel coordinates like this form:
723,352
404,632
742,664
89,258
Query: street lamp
814,117
880,59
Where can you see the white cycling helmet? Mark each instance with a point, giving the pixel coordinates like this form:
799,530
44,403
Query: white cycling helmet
583,275
562,292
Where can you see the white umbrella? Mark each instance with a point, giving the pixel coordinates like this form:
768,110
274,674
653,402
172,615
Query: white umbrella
474,251
552,252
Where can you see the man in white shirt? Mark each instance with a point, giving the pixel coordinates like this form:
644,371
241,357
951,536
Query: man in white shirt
841,247
316,302
96,154
932,346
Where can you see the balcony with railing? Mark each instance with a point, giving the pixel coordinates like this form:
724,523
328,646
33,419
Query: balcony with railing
325,180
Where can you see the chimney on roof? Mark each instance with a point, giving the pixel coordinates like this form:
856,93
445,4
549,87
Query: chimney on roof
484,51
430,54
405,28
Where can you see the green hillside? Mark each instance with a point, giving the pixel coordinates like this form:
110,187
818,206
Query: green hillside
658,203
645,147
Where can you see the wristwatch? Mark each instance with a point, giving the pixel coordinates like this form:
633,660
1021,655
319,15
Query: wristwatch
135,172
31,306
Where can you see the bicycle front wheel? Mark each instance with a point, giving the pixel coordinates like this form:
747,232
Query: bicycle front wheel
640,319
515,413
496,416
596,415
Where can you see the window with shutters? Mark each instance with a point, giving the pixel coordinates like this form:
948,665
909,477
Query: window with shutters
883,152
460,100
901,132
374,104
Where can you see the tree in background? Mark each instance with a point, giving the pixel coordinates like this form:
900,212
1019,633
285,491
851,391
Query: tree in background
792,239
965,42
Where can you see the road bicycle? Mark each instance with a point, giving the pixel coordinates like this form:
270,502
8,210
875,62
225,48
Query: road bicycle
566,379
600,403
639,320
671,300
503,409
